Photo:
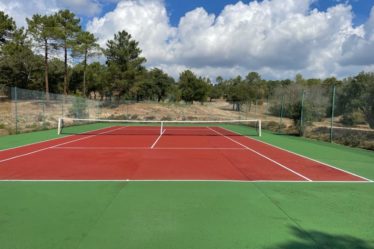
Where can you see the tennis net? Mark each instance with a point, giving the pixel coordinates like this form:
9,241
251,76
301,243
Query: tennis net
157,127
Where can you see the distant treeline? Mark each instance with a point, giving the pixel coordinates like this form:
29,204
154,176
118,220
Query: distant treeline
31,58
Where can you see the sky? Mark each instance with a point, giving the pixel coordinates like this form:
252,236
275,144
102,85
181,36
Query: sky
277,38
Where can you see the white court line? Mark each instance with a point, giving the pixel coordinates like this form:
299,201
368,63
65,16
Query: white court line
48,140
55,146
262,155
44,141
186,180
159,137
175,128
328,165
146,148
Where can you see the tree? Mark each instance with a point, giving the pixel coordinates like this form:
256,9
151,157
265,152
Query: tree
19,66
96,80
68,29
86,46
215,91
219,80
237,92
7,27
286,82
332,81
56,75
358,94
162,82
124,52
125,65
313,82
43,31
187,81
257,87
193,88
299,79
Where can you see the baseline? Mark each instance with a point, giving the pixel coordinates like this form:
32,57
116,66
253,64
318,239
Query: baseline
192,180
305,157
262,155
147,148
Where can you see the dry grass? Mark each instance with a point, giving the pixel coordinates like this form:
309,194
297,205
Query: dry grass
35,115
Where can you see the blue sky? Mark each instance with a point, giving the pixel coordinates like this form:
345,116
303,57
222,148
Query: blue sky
178,8
277,38
361,8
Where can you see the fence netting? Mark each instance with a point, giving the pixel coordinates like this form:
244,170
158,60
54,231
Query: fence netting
27,110
317,112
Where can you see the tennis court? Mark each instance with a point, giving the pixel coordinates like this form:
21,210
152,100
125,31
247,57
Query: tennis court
174,153
214,186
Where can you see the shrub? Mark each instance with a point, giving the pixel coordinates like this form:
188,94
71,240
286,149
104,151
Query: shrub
166,118
150,118
353,118
79,108
273,126
40,117
134,116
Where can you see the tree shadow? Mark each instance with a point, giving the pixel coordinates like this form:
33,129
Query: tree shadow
311,239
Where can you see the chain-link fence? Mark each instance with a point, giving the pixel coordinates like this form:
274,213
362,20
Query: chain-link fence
316,112
27,110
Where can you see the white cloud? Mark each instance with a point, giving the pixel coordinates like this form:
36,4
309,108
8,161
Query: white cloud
20,9
359,49
82,7
277,38
146,20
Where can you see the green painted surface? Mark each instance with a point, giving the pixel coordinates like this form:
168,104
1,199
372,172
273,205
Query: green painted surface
12,141
186,215
355,160
38,215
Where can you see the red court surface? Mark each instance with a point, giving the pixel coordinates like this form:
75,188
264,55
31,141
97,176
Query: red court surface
181,153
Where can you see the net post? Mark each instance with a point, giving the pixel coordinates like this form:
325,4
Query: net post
59,126
259,128
161,127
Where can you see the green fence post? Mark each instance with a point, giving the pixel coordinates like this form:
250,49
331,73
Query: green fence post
16,108
332,113
281,113
302,114
43,107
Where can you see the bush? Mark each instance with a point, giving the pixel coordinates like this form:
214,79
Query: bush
40,117
273,126
353,118
134,116
166,118
79,108
150,118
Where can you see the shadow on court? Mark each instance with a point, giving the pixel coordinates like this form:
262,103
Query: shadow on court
311,239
